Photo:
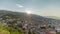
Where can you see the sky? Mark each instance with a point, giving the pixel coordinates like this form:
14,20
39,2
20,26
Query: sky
39,7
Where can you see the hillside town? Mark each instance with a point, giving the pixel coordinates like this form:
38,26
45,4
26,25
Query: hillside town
31,23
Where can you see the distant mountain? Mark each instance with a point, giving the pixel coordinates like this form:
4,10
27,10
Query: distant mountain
53,17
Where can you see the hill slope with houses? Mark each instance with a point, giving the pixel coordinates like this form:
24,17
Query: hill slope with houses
29,24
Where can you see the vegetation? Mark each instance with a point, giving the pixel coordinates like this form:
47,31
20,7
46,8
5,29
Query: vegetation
8,30
57,32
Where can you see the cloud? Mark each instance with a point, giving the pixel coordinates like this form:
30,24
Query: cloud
19,5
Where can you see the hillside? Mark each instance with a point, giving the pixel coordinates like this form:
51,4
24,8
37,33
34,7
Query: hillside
24,23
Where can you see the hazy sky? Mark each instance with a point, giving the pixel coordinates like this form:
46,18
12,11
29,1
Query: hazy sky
39,7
